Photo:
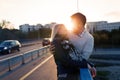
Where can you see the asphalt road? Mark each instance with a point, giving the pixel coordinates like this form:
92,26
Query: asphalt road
28,47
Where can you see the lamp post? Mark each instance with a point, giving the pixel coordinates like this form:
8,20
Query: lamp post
78,5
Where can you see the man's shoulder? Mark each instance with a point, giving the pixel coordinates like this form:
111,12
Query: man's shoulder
89,36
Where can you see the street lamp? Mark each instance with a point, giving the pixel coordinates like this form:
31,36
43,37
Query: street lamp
78,5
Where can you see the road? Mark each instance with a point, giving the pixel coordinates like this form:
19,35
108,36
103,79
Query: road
40,69
26,47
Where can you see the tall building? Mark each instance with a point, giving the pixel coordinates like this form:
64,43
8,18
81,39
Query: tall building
102,25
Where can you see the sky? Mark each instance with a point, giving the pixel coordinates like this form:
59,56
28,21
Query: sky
46,11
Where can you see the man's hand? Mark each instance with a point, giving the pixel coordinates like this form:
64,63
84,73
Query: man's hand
52,48
93,71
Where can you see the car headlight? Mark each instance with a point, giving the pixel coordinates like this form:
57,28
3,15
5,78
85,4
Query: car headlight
5,48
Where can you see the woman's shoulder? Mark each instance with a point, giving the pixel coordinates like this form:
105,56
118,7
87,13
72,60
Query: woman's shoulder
56,41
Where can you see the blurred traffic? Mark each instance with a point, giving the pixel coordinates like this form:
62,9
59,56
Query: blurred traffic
7,46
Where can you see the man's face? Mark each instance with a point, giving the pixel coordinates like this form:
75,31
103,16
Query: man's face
77,26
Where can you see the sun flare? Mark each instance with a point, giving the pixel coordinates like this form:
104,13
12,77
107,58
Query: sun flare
68,25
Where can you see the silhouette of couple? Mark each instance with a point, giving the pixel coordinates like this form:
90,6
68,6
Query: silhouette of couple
72,49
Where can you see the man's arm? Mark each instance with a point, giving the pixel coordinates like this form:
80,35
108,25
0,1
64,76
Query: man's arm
87,51
88,48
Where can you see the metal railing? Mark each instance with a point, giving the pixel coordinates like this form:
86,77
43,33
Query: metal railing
85,74
13,62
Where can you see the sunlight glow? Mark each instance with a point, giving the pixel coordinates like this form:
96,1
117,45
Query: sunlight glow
68,25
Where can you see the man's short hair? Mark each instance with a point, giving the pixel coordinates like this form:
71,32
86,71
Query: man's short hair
79,17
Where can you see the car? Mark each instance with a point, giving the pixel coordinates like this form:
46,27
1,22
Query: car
8,46
46,42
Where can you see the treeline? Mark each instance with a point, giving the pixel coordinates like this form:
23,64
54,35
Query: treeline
9,34
107,39
41,33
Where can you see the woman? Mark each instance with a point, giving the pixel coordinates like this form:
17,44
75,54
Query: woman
65,55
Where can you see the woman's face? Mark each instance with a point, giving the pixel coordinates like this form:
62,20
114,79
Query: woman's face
62,30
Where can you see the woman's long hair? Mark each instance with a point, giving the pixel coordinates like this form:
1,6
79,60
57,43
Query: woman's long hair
55,31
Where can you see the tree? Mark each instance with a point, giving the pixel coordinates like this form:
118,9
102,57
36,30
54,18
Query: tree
6,24
45,32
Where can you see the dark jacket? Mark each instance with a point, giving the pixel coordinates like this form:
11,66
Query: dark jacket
63,61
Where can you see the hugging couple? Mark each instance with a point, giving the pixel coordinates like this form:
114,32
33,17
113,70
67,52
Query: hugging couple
71,50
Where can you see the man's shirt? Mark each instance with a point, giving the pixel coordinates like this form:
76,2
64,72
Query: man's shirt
83,42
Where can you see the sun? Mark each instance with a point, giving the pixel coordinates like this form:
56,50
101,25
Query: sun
68,25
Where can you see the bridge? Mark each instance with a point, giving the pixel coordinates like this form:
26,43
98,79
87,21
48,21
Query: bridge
37,64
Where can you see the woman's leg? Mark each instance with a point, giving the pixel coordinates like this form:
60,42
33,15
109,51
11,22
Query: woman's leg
73,76
62,76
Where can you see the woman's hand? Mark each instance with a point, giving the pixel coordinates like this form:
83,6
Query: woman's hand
52,48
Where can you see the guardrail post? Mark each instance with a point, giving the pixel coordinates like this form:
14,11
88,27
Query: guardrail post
9,65
31,56
44,50
38,53
23,61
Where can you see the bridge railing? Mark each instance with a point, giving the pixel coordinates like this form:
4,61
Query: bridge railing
13,62
85,74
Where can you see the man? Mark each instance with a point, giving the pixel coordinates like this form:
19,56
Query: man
82,40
